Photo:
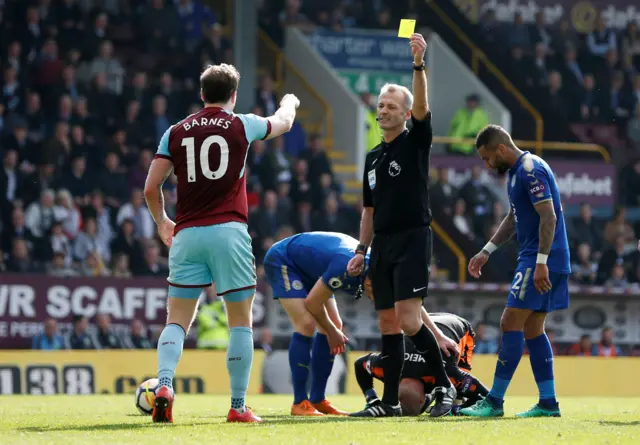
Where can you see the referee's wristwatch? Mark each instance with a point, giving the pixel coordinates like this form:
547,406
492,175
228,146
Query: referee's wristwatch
361,249
419,67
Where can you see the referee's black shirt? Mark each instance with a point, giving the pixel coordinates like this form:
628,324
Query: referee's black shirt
395,180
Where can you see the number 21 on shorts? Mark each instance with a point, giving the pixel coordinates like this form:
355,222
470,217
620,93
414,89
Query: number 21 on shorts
189,143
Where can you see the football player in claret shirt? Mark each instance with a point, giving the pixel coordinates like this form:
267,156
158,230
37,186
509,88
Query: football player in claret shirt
209,240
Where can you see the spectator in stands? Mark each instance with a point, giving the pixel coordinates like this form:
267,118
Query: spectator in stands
94,266
89,240
619,227
555,110
615,255
59,243
101,213
484,344
618,102
138,338
636,89
161,27
572,73
77,180
49,339
601,39
477,198
79,337
152,266
26,150
126,243
539,33
443,193
460,220
34,116
282,170
586,230
466,123
584,269
120,267
606,347
631,43
12,90
617,278
330,219
518,33
317,159
136,211
564,37
113,182
11,181
59,268
304,222
633,129
105,337
291,16
40,215
70,223
300,184
583,348
265,96
541,65
269,216
590,103
16,230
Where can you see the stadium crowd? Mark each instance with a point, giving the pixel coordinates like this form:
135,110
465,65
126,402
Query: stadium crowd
87,92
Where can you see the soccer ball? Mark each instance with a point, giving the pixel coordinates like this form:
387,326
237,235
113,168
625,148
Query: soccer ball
145,396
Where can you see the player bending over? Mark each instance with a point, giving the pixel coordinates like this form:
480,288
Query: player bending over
313,264
540,284
209,241
418,377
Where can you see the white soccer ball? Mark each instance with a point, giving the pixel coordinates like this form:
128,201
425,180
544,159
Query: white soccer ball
145,396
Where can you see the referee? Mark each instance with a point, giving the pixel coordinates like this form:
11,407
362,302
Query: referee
396,210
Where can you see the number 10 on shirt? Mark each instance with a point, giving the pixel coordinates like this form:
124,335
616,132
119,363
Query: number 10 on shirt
189,144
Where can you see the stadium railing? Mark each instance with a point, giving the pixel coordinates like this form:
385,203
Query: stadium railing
477,57
316,117
539,147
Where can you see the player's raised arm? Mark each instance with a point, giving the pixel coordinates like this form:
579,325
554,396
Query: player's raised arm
283,118
420,98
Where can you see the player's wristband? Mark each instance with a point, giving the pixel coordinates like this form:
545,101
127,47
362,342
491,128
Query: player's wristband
490,248
542,258
361,249
419,67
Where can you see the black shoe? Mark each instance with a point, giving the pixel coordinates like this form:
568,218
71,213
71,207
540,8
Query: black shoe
444,401
379,409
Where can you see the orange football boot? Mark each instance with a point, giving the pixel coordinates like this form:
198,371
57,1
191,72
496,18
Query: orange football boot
305,408
163,406
246,417
325,407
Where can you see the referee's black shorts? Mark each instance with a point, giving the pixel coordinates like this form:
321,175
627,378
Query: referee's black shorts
399,267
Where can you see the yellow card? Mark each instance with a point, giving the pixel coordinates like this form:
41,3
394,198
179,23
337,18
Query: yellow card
407,26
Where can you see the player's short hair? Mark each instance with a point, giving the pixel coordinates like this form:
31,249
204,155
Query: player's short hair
218,83
411,396
392,88
493,135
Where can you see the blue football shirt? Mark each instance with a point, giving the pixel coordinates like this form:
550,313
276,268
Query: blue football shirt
322,255
531,181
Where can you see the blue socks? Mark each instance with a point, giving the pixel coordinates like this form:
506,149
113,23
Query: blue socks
239,360
169,353
321,366
541,357
508,359
299,358
321,361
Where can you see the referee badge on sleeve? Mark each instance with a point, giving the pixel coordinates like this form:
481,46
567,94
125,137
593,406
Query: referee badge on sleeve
372,179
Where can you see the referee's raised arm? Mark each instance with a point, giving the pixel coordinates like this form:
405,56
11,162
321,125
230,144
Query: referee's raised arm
420,98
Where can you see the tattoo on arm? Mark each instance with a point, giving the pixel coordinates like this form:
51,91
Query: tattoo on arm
547,227
505,231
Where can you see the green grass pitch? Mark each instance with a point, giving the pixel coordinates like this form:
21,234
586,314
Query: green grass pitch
111,420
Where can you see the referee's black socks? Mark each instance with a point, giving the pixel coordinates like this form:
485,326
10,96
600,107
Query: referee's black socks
392,362
427,345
